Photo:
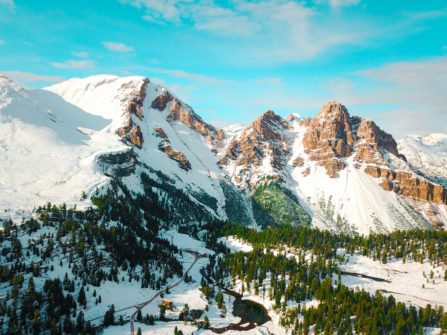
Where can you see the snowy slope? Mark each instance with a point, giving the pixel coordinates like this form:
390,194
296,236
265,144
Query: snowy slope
353,201
51,141
427,153
48,148
107,96
348,200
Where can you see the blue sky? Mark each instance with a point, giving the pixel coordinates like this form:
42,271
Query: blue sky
232,60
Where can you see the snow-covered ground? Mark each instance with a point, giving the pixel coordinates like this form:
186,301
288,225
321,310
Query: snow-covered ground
407,282
426,153
46,151
183,241
162,328
235,244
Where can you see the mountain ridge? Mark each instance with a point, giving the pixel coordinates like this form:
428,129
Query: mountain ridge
323,168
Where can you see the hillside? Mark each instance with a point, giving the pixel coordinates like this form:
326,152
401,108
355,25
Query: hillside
117,198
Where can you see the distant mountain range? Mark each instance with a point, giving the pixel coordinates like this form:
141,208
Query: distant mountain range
66,142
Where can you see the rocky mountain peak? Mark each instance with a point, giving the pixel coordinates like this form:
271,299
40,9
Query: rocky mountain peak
330,137
371,141
333,110
269,125
264,142
178,111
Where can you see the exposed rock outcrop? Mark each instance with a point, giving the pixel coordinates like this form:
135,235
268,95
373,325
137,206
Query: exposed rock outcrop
298,162
166,147
159,132
130,131
178,111
184,114
179,157
162,101
136,103
408,184
117,164
333,135
136,137
264,139
371,141
329,138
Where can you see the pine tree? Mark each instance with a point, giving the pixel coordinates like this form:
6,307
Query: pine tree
139,316
81,297
80,322
109,316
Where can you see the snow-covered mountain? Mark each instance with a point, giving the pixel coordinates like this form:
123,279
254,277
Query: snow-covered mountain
427,154
65,142
344,171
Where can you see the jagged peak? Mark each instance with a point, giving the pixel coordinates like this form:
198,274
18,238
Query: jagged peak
333,109
269,117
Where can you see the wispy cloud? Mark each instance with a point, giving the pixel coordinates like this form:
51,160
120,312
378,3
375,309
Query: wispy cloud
414,92
29,77
2,42
117,47
427,15
197,77
9,3
80,54
343,3
74,64
272,31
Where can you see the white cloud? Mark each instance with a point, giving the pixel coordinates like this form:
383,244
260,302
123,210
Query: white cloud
166,10
343,3
413,91
74,64
2,42
80,54
9,3
29,77
200,78
272,31
117,47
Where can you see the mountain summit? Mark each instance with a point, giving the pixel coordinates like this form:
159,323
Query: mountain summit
335,171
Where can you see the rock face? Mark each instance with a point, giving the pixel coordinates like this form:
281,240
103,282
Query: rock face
184,114
264,141
179,157
131,132
298,162
117,164
371,141
181,113
330,138
166,147
408,184
160,132
333,135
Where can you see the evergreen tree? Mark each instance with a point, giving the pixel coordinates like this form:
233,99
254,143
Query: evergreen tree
81,297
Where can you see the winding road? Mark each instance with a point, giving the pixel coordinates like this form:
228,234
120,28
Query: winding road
140,306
